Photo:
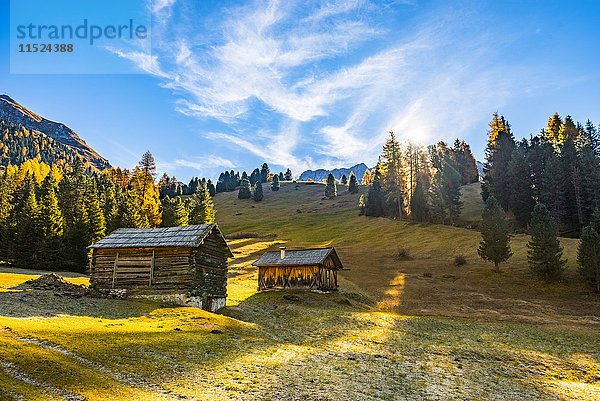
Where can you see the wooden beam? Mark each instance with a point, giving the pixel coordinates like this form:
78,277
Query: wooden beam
114,277
151,270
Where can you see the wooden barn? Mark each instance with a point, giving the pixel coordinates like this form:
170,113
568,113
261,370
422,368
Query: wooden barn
303,269
184,265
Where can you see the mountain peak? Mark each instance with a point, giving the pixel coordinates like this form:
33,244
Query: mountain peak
15,113
321,174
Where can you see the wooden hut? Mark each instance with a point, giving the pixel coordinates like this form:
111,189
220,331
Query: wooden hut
184,265
303,269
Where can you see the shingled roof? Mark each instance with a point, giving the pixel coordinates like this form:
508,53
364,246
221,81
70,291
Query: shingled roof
184,236
298,258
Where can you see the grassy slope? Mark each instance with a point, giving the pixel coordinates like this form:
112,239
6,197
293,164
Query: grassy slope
319,346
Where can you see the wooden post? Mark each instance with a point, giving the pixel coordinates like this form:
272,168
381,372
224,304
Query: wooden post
115,270
151,270
91,261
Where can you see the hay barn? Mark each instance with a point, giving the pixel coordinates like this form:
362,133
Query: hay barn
184,265
303,269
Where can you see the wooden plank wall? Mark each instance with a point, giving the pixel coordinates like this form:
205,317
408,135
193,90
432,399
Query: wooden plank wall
210,263
301,277
133,268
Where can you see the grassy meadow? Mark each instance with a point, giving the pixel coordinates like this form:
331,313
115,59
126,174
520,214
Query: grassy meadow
406,324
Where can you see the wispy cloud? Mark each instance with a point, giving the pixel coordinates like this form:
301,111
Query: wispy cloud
305,85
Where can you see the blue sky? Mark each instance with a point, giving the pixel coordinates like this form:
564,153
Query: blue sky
318,84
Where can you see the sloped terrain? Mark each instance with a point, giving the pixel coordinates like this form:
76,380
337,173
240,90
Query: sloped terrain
391,332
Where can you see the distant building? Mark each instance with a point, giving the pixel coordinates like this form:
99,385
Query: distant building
184,265
303,269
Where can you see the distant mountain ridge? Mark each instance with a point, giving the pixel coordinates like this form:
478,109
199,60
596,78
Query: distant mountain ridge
321,174
13,112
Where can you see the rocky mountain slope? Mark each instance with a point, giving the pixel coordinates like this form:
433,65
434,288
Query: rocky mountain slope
321,174
13,112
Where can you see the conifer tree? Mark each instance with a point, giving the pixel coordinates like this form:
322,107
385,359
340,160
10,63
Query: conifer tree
28,233
97,224
330,187
275,183
419,210
344,180
264,172
544,250
180,213
245,191
499,150
588,251
211,188
353,184
129,213
168,214
203,211
53,226
392,177
288,175
495,246
257,194
521,189
374,201
281,178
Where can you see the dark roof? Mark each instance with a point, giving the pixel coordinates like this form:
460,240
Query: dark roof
298,257
185,236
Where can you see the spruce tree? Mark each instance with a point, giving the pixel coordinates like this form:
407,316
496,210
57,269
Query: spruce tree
211,188
245,191
53,226
374,201
499,151
264,172
28,233
180,213
353,184
275,183
588,251
330,187
344,180
168,214
203,212
288,175
544,250
281,176
419,210
129,214
521,189
495,246
257,194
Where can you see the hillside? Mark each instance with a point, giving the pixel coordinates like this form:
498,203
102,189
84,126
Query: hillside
13,112
411,328
321,174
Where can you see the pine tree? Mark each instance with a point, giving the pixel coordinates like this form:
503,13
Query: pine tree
499,150
53,226
374,202
330,187
97,224
28,234
245,189
288,175
521,190
275,183
264,172
257,194
203,212
180,213
544,250
344,180
588,251
353,184
495,245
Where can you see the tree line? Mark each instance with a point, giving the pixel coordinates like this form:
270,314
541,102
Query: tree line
50,214
420,183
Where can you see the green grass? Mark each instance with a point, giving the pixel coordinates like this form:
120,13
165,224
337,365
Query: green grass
391,332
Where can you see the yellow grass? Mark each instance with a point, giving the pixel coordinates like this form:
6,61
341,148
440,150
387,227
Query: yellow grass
389,333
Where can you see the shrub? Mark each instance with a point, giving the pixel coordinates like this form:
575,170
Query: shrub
460,260
403,254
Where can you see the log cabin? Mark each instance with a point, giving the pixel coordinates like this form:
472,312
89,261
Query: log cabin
313,269
183,265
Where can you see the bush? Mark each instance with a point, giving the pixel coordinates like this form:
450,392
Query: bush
460,260
403,254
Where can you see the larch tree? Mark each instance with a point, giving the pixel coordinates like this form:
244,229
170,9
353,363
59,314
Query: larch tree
495,244
330,187
544,251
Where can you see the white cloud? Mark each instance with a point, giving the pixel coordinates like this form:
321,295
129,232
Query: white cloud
301,89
